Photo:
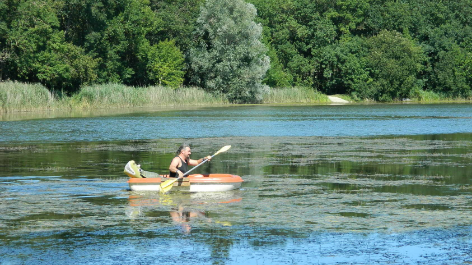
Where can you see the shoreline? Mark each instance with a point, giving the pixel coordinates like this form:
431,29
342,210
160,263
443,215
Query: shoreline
18,98
67,111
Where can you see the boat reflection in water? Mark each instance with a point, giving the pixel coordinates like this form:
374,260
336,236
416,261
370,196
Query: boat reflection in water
182,208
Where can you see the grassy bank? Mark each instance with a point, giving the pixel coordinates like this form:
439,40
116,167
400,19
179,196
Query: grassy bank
27,97
16,96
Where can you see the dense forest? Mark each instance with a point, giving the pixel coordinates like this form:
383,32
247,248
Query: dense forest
369,49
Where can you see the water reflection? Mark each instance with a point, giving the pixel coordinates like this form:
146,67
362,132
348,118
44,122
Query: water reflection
183,208
182,217
193,215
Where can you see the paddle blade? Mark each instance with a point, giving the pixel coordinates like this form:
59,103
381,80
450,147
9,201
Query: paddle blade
223,149
167,185
166,189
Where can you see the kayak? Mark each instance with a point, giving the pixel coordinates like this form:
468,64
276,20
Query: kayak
141,180
192,183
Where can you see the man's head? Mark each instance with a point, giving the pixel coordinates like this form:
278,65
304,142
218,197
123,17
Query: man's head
184,150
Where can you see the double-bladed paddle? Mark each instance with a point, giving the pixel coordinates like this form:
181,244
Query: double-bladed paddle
168,184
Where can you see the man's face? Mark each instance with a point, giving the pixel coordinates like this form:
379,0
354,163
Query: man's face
186,152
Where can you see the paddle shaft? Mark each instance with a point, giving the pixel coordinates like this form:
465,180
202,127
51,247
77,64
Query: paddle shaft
203,162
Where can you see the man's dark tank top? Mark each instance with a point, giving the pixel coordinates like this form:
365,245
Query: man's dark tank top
183,168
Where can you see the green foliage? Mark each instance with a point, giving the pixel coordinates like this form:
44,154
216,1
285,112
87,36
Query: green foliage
383,50
110,95
63,65
165,64
399,16
395,64
276,75
177,19
354,72
425,96
347,14
40,51
229,57
453,72
120,43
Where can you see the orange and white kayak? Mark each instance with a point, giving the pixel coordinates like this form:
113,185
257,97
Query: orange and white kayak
192,183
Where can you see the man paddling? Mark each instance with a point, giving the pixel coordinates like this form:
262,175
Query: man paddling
181,161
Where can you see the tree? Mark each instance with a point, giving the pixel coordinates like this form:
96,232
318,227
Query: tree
348,15
276,75
120,44
352,75
177,19
7,14
165,64
453,72
40,51
229,57
395,64
115,32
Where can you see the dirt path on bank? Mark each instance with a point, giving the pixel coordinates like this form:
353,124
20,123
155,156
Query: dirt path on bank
337,100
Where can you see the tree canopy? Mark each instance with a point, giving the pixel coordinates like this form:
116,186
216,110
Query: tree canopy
371,49
229,57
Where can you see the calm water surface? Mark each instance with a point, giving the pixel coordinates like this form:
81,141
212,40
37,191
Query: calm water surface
244,121
352,184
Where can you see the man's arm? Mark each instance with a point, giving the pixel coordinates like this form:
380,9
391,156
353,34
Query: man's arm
193,163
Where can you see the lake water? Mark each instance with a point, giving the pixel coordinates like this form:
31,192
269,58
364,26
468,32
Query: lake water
332,184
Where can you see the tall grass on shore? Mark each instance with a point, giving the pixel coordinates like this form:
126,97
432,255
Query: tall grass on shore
294,95
117,95
15,96
423,96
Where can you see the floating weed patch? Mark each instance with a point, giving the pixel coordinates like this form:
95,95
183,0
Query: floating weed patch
354,214
429,207
50,169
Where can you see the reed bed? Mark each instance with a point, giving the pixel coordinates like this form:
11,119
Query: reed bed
294,95
117,95
183,96
15,96
108,95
